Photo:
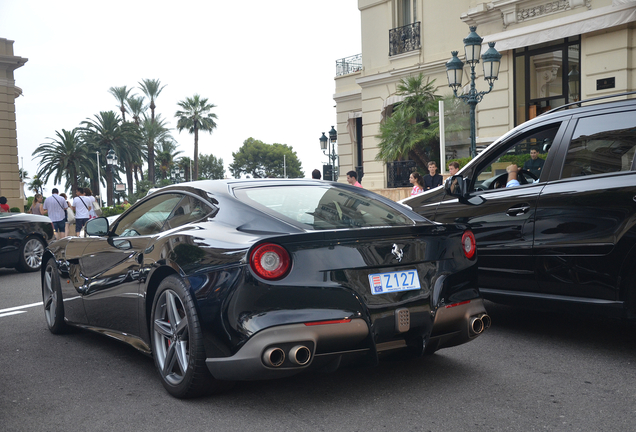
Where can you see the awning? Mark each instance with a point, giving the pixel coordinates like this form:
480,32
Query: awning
622,12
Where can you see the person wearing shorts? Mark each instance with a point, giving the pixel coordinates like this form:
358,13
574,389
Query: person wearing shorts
55,207
82,208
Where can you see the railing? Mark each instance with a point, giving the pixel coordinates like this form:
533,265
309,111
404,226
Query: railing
349,65
398,173
404,39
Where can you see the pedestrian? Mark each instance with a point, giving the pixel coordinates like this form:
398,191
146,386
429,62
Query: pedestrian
70,216
453,168
416,180
534,164
352,179
432,179
89,195
315,174
82,208
4,207
36,207
55,207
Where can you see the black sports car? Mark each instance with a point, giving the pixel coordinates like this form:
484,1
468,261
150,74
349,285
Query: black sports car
23,238
255,279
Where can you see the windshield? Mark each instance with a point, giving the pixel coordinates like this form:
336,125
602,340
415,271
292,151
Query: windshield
322,207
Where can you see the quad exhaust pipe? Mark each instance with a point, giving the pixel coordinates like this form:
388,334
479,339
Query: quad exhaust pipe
480,323
275,356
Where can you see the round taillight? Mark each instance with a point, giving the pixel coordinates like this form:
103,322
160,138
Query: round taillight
469,245
270,261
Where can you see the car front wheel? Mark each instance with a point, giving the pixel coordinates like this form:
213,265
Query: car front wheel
177,342
52,298
30,259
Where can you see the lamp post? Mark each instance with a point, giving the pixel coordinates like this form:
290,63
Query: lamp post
99,182
455,70
111,161
330,151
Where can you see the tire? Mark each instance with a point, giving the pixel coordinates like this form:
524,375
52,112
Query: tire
31,253
52,298
177,342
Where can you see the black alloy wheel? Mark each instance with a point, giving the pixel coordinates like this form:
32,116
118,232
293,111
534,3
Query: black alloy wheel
52,298
177,342
31,255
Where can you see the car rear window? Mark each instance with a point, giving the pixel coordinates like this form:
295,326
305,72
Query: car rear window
322,207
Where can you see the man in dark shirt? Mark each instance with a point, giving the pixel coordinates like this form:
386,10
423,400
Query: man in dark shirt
534,164
432,180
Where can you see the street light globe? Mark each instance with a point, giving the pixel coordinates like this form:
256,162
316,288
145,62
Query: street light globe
454,71
472,46
323,142
492,60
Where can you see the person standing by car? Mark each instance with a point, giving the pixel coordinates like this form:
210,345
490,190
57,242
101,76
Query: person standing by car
88,194
416,180
534,164
82,208
315,174
432,179
36,207
55,207
4,207
70,216
352,179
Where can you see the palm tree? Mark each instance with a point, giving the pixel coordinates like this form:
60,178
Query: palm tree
151,88
153,131
196,116
137,110
411,130
121,94
166,155
36,184
107,132
63,158
185,163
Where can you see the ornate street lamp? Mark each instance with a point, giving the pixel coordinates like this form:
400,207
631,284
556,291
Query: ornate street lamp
330,152
111,161
574,84
455,70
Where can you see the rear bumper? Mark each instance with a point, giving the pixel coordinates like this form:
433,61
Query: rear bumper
454,324
325,343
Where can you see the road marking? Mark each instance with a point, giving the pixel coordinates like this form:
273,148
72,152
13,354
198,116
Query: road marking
11,313
2,311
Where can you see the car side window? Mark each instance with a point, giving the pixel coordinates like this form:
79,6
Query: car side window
527,151
601,144
149,217
188,210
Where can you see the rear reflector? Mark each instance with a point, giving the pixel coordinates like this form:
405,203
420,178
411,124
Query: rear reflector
457,304
342,321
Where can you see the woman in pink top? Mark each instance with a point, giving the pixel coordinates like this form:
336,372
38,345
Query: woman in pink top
418,185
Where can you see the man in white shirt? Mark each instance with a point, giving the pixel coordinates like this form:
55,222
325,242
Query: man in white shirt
81,207
55,208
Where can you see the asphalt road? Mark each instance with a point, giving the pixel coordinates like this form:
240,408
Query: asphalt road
532,371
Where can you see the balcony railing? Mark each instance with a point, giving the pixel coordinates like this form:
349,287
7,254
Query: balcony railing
398,173
349,65
404,39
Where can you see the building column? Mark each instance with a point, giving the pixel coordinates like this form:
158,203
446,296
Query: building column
10,184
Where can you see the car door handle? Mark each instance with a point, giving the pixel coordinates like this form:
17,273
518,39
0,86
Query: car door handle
518,210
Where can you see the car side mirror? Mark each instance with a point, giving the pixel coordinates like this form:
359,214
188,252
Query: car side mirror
456,186
96,227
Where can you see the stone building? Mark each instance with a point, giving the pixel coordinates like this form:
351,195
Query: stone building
10,184
553,52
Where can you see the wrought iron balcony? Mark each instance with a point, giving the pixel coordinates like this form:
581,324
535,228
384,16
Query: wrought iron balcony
398,173
404,39
349,65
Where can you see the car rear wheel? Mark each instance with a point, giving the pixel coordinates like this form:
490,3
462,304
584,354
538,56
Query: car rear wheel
52,298
30,259
177,342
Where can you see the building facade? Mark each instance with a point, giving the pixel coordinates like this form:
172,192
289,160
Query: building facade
553,52
10,184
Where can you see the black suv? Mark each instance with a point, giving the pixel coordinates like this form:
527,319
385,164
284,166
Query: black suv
566,235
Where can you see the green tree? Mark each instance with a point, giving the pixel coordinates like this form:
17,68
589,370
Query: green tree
151,88
36,185
185,163
195,116
121,94
63,158
211,168
137,110
262,160
153,131
166,154
105,132
411,131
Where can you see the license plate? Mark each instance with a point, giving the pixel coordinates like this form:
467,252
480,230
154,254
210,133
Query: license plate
382,283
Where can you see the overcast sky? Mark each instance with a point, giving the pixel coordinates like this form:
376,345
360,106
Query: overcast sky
269,67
